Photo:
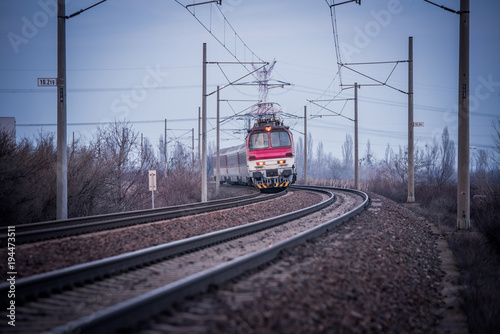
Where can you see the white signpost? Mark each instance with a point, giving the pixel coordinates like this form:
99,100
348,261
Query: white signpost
47,82
418,124
152,185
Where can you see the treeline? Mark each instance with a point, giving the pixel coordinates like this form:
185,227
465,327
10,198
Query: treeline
434,176
107,174
434,164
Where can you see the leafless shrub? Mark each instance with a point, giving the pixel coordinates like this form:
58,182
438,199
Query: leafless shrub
485,206
496,139
27,176
109,174
87,179
478,264
384,183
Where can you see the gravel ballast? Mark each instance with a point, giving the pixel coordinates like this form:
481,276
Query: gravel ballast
379,272
55,254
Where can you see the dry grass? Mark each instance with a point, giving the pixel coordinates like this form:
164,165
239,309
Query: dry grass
477,251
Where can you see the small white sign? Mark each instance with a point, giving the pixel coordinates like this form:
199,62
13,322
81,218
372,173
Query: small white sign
418,124
152,180
47,82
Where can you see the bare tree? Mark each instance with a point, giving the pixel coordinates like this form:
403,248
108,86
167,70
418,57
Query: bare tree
161,148
299,157
87,178
481,161
369,156
387,162
430,161
320,156
148,157
496,139
335,168
28,178
118,145
401,164
448,155
439,160
347,151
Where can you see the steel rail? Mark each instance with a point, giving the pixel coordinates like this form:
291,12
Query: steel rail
108,216
45,283
144,306
75,226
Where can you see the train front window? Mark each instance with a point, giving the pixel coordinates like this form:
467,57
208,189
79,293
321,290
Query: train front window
259,140
280,139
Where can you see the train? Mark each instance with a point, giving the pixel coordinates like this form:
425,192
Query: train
266,160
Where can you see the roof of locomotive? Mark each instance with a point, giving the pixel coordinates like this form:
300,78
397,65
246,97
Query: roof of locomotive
263,123
260,125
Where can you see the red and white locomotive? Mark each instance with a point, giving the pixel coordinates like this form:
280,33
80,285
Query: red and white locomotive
266,160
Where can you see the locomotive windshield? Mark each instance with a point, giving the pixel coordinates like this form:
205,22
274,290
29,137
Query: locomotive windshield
280,139
259,140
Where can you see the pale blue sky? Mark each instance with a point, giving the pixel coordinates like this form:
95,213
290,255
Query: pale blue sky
121,46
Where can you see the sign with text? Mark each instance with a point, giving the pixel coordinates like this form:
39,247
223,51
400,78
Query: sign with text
47,82
152,180
418,124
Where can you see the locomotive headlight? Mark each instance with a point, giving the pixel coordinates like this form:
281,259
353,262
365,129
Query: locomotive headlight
281,162
268,128
261,163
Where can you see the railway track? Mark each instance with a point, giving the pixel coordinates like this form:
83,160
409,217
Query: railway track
124,289
28,233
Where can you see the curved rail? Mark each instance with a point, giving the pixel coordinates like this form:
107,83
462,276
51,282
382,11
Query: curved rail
148,304
74,226
60,279
145,305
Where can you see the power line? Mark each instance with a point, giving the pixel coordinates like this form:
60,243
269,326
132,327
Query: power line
222,39
101,123
333,17
97,90
443,7
83,10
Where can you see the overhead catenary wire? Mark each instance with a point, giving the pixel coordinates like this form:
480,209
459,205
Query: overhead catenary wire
336,39
83,10
222,40
341,65
382,83
107,122
443,7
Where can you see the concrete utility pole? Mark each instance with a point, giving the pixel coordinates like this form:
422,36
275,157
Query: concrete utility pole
305,144
62,154
356,157
217,164
199,136
204,192
165,148
463,188
411,163
192,146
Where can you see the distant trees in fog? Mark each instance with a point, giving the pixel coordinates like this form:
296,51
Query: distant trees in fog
434,164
